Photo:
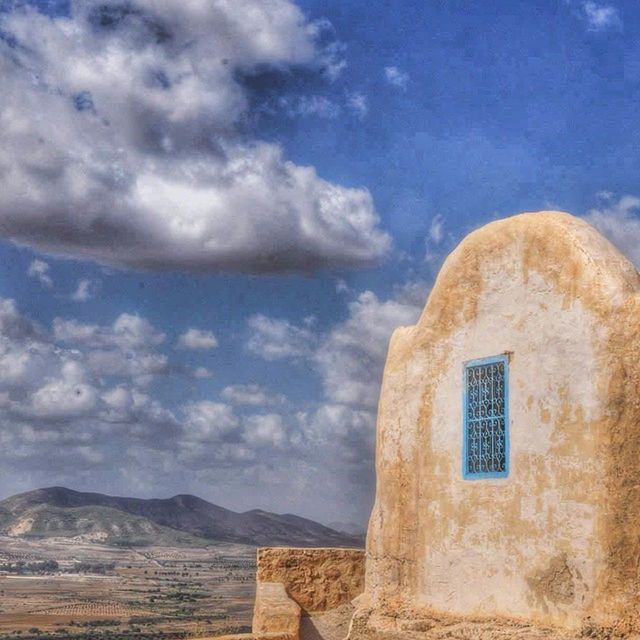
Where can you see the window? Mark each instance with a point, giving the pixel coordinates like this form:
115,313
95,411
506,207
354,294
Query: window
486,418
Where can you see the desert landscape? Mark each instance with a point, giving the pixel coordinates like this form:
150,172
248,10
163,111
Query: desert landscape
84,590
62,589
89,566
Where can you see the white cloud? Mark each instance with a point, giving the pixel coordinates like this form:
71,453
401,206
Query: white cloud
601,17
265,431
73,394
208,421
84,291
65,397
139,365
250,394
334,440
133,331
351,356
122,141
119,399
274,338
358,103
213,431
332,56
437,242
125,348
128,331
77,391
13,325
89,454
126,404
342,433
76,332
620,222
197,340
44,379
39,270
396,77
436,232
201,373
314,105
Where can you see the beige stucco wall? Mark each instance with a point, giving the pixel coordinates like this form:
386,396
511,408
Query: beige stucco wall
317,579
274,613
558,540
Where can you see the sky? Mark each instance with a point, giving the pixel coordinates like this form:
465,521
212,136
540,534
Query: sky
214,213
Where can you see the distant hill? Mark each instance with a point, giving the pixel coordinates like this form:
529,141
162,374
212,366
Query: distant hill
181,520
350,528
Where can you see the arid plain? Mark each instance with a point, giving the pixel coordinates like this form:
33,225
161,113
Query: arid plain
100,591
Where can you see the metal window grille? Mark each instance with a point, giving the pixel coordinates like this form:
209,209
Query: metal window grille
486,438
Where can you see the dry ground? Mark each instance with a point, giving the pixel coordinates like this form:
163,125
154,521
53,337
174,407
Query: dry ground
153,592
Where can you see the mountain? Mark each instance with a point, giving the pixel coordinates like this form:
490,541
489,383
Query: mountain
181,520
350,528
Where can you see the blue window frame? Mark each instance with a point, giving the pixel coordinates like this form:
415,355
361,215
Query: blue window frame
485,451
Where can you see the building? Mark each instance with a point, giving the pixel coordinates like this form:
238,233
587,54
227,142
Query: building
508,445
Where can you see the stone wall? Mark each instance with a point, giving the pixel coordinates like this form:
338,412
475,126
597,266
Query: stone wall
317,579
275,615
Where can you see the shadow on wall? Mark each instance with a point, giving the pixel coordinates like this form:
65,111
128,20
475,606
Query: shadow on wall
309,630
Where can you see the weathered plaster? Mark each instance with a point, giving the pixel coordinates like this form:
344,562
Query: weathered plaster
274,613
316,579
558,540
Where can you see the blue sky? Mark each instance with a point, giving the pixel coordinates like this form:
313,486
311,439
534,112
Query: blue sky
213,216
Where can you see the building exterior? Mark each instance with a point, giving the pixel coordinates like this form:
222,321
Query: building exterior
508,446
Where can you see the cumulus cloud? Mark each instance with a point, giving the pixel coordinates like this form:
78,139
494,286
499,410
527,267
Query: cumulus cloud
436,232
13,325
620,222
128,331
84,291
85,391
345,436
208,421
59,401
250,394
437,242
396,77
265,431
67,396
63,373
597,16
350,358
276,338
122,140
338,434
201,373
601,17
127,347
214,431
39,270
312,105
358,104
197,340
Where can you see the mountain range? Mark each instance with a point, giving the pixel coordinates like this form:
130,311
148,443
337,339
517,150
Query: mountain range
181,520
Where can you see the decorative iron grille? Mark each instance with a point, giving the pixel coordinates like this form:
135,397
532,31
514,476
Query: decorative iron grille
486,419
